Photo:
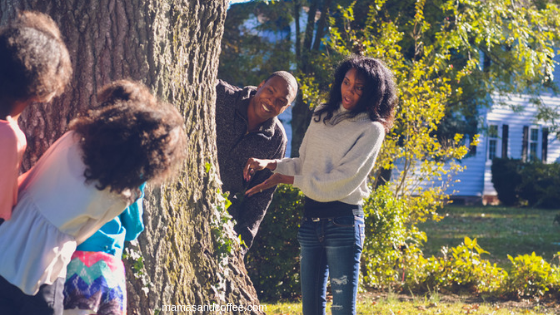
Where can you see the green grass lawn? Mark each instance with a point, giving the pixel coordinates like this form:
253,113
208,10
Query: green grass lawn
392,304
499,230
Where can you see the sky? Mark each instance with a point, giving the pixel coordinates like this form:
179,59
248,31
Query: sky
237,1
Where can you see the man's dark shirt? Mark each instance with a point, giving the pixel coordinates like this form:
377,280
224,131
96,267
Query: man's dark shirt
236,146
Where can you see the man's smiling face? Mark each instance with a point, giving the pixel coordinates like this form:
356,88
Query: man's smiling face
272,98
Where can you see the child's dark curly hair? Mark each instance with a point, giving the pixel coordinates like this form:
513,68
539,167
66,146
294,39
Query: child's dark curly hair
130,138
34,61
379,98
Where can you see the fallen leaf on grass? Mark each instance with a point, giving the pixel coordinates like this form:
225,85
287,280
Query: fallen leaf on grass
471,307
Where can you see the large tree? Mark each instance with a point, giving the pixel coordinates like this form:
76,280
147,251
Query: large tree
173,47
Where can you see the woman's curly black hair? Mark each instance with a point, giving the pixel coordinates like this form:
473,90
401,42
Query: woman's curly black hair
379,97
34,61
130,138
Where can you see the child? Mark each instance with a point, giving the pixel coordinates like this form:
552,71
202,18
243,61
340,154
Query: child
335,158
34,67
87,177
95,279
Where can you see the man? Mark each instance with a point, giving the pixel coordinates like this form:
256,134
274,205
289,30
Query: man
246,126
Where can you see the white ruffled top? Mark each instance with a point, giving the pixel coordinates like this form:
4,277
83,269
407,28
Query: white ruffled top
56,210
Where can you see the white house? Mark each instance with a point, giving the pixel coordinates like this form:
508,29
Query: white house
508,133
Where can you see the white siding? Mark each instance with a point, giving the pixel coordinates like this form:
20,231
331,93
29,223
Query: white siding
476,180
504,115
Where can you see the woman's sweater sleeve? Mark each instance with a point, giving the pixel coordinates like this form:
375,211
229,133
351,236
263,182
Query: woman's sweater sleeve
349,174
292,166
288,166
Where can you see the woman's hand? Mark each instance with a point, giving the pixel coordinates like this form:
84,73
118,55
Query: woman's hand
272,181
253,165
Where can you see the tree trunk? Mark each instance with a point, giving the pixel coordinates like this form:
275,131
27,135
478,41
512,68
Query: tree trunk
173,47
321,24
301,114
301,117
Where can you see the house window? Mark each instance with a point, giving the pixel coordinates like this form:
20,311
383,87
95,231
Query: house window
505,140
544,149
533,144
492,141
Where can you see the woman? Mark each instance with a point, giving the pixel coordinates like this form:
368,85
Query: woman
336,156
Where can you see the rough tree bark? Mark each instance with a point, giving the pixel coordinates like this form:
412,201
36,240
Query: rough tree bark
173,47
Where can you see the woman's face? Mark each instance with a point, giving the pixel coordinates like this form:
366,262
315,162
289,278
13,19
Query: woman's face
351,89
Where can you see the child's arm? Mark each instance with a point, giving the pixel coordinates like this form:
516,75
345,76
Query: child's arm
22,177
9,170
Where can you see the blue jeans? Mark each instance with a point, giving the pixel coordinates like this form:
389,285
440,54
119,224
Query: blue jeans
330,245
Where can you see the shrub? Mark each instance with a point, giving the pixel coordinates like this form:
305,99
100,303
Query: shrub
536,183
506,179
273,260
540,185
388,238
531,276
459,269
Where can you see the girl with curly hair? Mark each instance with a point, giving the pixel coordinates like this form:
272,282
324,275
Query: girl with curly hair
335,158
34,67
85,179
95,277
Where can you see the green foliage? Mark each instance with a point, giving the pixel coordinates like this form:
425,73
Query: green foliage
460,268
506,179
423,87
388,240
223,244
133,255
540,185
221,228
535,183
530,276
247,56
273,260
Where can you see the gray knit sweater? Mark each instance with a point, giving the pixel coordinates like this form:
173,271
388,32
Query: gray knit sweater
236,146
335,160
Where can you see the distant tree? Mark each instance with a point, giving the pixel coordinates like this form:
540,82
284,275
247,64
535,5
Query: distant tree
257,41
